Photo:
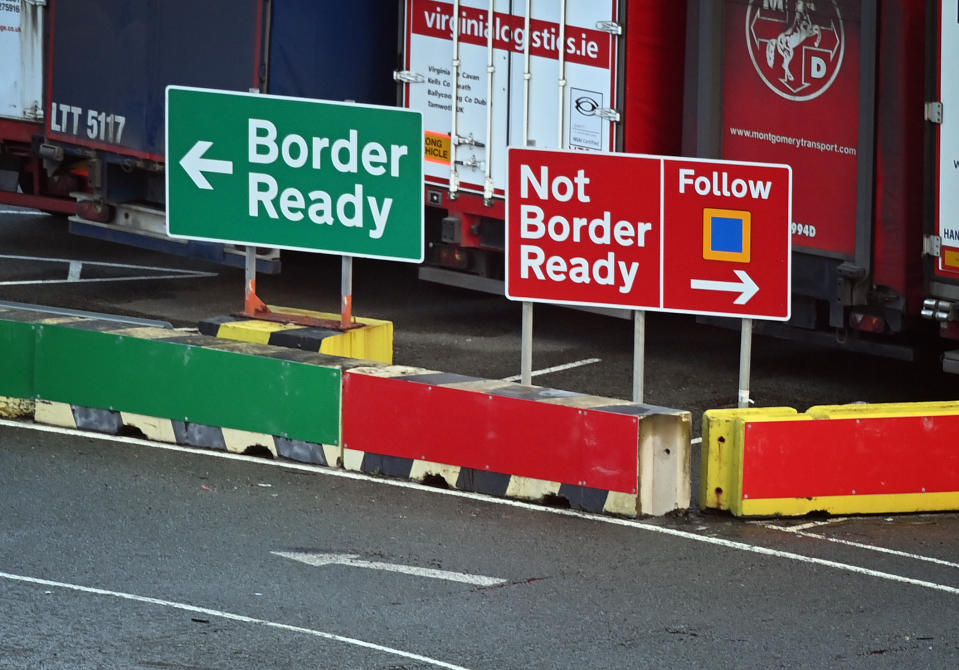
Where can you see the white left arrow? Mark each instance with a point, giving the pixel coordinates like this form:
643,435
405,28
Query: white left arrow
746,287
195,165
354,561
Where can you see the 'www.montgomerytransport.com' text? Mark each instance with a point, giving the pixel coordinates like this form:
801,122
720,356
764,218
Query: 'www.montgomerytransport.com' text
799,142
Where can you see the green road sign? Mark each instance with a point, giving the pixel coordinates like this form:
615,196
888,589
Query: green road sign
291,173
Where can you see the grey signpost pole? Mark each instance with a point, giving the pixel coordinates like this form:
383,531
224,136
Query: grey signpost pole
250,274
745,354
526,344
346,292
639,354
526,350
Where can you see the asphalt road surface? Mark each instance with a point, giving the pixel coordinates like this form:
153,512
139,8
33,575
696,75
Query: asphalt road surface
117,555
120,555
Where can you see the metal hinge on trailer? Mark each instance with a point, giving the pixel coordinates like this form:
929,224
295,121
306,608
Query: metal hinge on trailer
932,245
610,27
608,114
34,112
472,163
471,141
933,111
408,77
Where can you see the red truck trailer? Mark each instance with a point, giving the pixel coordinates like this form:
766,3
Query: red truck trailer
847,92
589,76
851,93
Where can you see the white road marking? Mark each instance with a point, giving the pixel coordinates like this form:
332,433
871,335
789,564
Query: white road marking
74,267
811,524
555,368
354,561
629,523
696,440
104,279
100,263
797,530
23,212
232,617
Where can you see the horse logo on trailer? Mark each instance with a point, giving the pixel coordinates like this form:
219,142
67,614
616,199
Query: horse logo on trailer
796,49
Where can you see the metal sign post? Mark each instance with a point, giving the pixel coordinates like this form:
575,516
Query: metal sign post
346,292
290,173
639,355
526,348
658,233
745,356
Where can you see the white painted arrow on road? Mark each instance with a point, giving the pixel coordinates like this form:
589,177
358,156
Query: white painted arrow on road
746,287
195,165
353,561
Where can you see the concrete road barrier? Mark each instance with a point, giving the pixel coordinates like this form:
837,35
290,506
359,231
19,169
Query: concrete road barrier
372,340
164,373
526,442
837,459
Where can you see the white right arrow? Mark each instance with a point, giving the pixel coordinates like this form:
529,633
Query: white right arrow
195,165
746,287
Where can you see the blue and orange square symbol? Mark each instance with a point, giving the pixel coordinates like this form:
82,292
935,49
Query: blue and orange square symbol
726,234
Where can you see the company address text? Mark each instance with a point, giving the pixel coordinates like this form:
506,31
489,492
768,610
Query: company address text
798,142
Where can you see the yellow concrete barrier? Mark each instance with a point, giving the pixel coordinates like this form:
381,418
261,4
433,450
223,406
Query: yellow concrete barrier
721,466
838,459
372,341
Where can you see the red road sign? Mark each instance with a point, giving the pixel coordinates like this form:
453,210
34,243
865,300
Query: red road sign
649,232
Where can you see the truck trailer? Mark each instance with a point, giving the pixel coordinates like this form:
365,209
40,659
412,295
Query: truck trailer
852,94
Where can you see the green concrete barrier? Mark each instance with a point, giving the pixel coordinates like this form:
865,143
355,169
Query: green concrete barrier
164,373
17,341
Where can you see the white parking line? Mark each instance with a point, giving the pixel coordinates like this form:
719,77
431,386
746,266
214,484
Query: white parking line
100,280
555,368
799,526
814,524
798,530
232,617
75,268
630,523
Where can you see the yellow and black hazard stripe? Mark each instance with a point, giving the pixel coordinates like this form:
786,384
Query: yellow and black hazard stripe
372,341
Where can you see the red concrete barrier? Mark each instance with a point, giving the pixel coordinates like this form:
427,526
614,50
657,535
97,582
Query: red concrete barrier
500,438
867,459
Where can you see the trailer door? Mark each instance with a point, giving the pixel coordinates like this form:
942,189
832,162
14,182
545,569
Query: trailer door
791,94
110,61
554,89
21,64
947,206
